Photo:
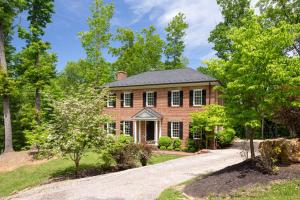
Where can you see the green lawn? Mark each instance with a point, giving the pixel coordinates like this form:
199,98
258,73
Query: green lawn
288,190
170,194
29,176
158,158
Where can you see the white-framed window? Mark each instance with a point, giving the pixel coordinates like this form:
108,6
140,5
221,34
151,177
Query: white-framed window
150,99
111,128
197,135
175,98
197,97
127,99
111,100
127,127
175,129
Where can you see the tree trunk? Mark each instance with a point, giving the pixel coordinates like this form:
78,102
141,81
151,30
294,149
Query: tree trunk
7,125
77,167
6,109
250,135
37,103
37,91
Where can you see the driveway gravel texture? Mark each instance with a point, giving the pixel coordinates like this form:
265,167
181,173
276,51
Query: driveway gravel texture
144,183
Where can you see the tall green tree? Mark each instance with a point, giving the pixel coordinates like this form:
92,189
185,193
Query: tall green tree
283,10
97,39
233,11
260,77
175,42
8,11
36,65
139,52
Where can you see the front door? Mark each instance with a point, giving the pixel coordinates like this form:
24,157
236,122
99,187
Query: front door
150,130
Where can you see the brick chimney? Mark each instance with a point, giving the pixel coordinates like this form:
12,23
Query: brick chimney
121,75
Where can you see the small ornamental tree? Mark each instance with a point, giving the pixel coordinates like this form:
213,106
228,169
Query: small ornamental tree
78,125
213,116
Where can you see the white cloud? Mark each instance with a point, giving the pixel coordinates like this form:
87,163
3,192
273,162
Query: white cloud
202,16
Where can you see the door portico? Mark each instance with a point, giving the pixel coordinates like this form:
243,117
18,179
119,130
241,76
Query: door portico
147,126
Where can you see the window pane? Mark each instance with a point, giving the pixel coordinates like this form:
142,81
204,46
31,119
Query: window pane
127,99
150,98
111,100
197,97
175,98
175,129
127,128
111,128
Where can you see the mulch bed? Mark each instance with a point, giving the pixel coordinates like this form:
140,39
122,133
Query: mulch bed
247,173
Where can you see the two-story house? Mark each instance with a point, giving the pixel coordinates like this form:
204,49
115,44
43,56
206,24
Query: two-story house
158,103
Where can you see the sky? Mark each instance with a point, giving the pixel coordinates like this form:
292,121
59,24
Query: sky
71,15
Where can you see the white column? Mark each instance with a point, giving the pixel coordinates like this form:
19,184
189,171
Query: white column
156,132
135,131
140,131
159,129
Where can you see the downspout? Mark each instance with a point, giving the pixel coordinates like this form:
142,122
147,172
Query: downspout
209,90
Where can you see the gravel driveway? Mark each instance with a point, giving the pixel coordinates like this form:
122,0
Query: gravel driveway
140,183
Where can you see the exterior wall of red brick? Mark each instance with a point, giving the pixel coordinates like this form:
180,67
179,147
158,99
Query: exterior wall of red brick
181,114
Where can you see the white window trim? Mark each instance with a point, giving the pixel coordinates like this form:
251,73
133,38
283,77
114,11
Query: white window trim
195,90
124,128
172,98
198,138
147,99
124,102
172,129
108,128
109,99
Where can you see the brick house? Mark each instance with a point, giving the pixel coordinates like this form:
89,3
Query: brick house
158,103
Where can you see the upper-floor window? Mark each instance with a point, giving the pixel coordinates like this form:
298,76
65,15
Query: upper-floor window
175,98
150,99
197,101
197,97
111,102
127,99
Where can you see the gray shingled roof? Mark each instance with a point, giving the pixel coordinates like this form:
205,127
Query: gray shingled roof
185,75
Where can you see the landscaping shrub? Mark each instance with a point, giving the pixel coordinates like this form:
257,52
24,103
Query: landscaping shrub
170,147
162,148
145,153
176,143
225,137
165,141
177,149
191,146
125,139
122,152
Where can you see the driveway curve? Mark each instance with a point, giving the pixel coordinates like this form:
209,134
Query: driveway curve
134,184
